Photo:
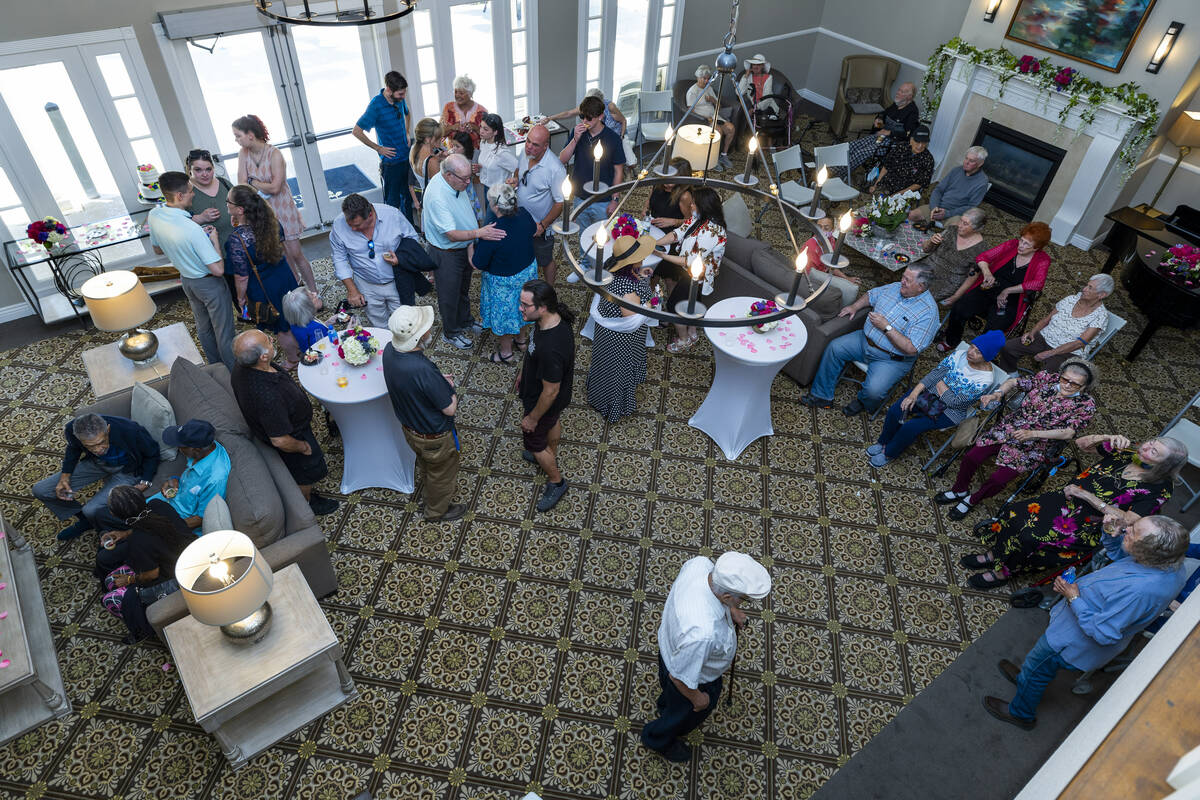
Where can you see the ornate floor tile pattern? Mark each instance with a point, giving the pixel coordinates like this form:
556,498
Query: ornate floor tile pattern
516,651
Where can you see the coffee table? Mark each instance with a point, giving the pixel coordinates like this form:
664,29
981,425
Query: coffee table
110,372
882,250
377,454
251,696
737,409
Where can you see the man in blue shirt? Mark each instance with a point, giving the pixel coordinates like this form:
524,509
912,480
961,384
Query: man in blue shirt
207,471
1102,612
388,115
611,167
902,323
193,251
363,246
450,225
960,189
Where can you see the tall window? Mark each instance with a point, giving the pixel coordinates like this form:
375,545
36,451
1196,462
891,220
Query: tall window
629,45
487,41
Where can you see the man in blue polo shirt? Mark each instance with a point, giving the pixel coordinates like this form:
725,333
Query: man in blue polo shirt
193,251
388,115
587,133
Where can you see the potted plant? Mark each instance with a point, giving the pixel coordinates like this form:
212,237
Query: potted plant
888,212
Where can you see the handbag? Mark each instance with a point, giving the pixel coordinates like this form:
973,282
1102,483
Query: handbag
262,312
966,432
929,404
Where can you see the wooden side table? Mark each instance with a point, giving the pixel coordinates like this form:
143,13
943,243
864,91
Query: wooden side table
31,686
110,372
249,697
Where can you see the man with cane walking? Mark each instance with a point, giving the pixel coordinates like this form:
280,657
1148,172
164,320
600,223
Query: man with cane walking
697,640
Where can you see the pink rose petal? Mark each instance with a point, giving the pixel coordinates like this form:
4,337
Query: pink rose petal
3,614
379,369
3,586
4,663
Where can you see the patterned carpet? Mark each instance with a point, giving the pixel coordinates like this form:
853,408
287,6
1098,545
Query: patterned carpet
515,651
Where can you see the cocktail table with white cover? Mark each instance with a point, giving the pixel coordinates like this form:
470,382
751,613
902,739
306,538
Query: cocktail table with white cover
251,696
587,241
737,409
376,453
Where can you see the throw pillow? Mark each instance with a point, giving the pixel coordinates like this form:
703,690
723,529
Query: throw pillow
153,412
195,394
864,94
216,516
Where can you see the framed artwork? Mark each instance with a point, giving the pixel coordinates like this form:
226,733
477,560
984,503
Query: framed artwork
1096,32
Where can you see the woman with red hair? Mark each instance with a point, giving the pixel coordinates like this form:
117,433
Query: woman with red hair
1010,268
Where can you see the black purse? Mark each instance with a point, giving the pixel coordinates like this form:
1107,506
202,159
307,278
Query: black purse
929,404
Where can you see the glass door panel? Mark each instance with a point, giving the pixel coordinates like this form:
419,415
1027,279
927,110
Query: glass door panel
629,52
474,50
235,80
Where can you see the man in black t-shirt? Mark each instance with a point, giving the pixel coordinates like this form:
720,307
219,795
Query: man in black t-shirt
425,402
278,411
584,138
544,383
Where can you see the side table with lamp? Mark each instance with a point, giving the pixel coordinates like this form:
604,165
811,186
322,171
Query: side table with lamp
257,657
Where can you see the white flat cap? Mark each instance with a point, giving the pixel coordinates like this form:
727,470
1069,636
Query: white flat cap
740,573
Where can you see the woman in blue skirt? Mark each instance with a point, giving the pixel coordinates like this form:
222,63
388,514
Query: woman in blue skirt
506,266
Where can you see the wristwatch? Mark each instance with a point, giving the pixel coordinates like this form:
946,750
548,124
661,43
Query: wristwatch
888,329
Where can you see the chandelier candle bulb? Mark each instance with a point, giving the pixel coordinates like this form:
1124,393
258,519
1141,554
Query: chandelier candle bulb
751,149
670,146
598,261
844,223
697,271
801,266
597,155
822,176
564,224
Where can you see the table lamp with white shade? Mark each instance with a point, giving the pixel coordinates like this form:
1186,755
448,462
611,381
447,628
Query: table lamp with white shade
1184,134
225,581
118,301
700,145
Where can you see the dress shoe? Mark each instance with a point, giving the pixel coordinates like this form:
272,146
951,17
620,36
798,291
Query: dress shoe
1009,670
73,531
676,753
322,505
976,561
999,709
453,511
854,407
950,496
961,510
980,582
812,401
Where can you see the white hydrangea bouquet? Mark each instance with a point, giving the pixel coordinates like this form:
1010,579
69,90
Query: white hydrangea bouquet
889,211
357,346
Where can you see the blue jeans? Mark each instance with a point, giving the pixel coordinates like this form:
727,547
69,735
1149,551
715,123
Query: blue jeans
593,213
676,717
897,435
395,185
1041,665
882,372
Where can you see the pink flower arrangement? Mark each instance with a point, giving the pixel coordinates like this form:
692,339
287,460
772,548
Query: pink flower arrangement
47,232
1029,65
1064,77
625,225
758,309
1182,265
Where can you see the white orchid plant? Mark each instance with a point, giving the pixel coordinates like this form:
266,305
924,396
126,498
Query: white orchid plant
889,211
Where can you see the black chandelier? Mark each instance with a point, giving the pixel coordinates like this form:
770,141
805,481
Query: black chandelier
343,12
691,312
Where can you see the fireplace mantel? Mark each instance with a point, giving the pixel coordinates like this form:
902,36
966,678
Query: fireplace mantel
1096,175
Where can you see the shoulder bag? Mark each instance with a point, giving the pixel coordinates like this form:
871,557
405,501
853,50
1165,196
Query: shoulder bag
262,312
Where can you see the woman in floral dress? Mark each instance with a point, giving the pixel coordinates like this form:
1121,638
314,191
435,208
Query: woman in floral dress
262,166
701,237
1055,528
1057,407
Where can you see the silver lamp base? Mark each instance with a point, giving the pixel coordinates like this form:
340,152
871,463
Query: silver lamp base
139,346
250,629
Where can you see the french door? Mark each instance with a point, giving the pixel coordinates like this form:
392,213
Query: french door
309,85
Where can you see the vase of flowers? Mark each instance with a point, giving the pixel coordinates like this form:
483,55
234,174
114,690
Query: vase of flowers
1182,265
48,232
888,212
625,225
357,345
760,308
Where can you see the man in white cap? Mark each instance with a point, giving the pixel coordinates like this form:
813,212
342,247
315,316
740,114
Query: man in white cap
425,402
696,643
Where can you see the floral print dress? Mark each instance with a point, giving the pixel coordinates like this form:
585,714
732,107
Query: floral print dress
706,241
1050,530
1044,409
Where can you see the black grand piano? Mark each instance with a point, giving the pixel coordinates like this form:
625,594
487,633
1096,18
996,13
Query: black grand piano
1141,242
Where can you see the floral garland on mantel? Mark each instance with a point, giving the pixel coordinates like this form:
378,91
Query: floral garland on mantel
1043,73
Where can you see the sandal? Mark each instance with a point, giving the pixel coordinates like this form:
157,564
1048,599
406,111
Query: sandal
679,345
500,358
976,561
521,344
981,581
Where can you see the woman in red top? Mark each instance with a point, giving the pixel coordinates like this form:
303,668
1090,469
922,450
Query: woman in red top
1013,267
463,113
813,248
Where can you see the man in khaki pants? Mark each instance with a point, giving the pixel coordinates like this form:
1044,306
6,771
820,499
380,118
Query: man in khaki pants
424,401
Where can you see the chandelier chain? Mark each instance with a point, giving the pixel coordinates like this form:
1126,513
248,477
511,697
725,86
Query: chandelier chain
731,37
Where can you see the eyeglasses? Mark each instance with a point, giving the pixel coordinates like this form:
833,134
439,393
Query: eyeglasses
464,178
370,248
1065,381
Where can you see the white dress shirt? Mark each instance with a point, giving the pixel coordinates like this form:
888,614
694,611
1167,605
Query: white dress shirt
496,163
351,253
696,637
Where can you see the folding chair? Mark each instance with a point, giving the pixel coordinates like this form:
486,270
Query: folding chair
1187,432
795,192
658,104
1114,325
999,376
835,155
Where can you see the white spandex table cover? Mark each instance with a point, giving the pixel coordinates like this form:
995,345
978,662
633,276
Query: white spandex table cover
376,453
737,409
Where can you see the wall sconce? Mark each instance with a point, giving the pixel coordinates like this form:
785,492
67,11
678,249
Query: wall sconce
1164,47
989,13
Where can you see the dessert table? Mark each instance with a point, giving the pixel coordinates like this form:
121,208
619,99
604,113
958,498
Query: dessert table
516,130
737,409
376,454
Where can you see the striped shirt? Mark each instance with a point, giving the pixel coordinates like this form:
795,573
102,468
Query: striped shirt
387,119
964,385
915,317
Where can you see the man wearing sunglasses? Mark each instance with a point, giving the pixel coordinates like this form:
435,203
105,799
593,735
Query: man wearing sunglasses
611,166
363,244
538,183
450,227
387,114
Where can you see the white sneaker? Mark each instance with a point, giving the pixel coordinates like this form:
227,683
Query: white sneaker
572,277
477,326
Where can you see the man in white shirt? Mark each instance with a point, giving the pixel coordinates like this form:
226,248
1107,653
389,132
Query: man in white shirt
363,246
697,640
538,182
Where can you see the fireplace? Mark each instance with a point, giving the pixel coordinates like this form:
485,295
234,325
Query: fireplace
1019,167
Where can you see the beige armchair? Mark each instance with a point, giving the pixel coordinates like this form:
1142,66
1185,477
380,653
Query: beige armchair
863,91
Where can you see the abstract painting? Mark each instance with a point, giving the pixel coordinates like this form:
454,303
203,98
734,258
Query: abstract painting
1097,32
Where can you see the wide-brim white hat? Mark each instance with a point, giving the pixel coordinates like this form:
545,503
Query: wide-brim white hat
757,58
408,324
